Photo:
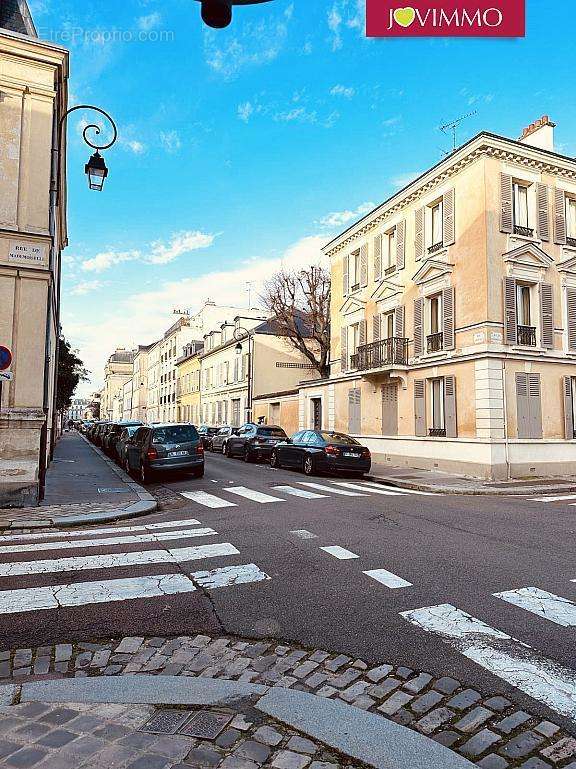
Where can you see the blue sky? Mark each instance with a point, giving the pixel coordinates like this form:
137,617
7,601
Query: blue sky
246,148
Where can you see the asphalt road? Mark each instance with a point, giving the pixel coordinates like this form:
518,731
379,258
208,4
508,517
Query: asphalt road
451,549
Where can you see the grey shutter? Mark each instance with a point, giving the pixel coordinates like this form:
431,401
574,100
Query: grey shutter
559,216
362,333
364,265
506,208
378,257
399,322
448,216
418,327
543,217
344,349
355,411
450,407
376,327
522,405
546,316
535,405
571,317
449,334
419,233
389,409
401,245
568,408
346,276
420,407
510,315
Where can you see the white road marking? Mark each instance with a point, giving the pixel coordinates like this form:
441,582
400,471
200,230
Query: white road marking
254,496
208,500
299,492
116,560
372,489
131,539
399,489
84,593
304,534
506,657
387,578
230,575
332,489
545,605
339,552
97,532
554,499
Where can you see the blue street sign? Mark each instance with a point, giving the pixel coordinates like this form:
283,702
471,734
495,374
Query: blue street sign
5,358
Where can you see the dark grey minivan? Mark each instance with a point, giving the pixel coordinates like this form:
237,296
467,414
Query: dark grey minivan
162,448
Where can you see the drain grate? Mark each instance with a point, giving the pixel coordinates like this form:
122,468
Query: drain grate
166,721
205,725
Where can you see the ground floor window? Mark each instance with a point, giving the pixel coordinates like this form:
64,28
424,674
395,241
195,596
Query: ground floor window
316,408
437,425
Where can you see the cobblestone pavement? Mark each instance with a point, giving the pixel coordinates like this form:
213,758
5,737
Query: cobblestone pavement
24,515
490,731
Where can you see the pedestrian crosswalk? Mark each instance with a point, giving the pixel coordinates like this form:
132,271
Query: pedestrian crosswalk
569,499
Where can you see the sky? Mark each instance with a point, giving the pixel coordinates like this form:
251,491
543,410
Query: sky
246,149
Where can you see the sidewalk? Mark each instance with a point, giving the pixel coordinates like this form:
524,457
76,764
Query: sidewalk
446,483
82,486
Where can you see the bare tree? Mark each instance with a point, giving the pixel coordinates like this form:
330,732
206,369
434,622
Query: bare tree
299,305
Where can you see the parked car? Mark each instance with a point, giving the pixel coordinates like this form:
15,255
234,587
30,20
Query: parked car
123,437
206,433
219,441
113,433
164,447
99,433
254,441
316,451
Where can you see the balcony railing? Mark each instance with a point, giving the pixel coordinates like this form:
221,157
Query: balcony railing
435,342
389,270
355,287
571,242
528,232
436,247
437,432
386,352
527,336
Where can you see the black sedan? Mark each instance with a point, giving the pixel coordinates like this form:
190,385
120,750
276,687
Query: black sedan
317,451
254,441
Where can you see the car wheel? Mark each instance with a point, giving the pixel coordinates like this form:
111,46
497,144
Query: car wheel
247,454
198,473
308,466
228,451
274,461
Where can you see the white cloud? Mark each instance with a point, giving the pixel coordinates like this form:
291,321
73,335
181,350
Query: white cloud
345,15
296,115
151,21
142,318
106,259
81,289
340,218
245,111
170,140
138,148
342,90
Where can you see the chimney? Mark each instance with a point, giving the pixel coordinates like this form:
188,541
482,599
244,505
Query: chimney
539,134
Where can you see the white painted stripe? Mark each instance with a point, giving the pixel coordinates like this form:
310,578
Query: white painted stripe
131,539
332,489
85,593
510,659
255,496
208,500
304,534
339,552
554,499
91,532
116,560
545,605
400,490
230,575
372,490
387,578
299,492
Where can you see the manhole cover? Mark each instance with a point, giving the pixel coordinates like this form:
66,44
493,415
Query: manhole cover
206,725
166,721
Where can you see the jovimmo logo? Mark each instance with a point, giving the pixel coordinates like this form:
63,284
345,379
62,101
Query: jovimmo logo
446,18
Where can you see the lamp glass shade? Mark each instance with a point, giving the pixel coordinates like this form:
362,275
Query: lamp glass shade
96,172
239,348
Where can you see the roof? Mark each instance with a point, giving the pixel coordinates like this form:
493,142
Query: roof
122,356
15,16
271,326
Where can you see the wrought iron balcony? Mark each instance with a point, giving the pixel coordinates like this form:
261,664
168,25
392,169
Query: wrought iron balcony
436,247
355,287
527,336
571,242
437,432
386,352
528,232
390,270
435,342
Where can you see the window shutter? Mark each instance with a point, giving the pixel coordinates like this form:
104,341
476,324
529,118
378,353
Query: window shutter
448,297
401,245
510,318
546,316
535,406
419,233
355,410
362,333
560,216
346,276
420,407
364,265
450,407
522,405
378,257
506,193
399,322
543,211
571,317
376,327
344,349
568,408
449,223
418,327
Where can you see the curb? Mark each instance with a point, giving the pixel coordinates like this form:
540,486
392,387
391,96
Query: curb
367,737
471,492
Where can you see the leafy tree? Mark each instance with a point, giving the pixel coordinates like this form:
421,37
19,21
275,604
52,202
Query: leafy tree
71,371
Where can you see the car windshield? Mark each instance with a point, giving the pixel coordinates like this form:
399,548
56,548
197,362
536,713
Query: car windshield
339,438
175,434
212,430
272,432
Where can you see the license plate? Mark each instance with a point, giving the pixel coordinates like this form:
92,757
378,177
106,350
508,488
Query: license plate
178,453
351,454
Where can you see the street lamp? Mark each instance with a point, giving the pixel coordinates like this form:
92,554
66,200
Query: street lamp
95,169
218,13
240,333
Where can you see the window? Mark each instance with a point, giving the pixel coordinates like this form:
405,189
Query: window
355,270
437,401
388,325
435,338
571,219
526,331
355,334
389,255
436,222
521,210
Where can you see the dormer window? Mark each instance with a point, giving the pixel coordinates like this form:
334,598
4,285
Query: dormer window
522,210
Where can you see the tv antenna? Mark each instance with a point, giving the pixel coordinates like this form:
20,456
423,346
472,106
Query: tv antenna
453,126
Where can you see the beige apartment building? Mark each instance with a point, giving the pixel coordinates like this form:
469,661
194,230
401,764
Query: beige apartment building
33,96
454,316
117,373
